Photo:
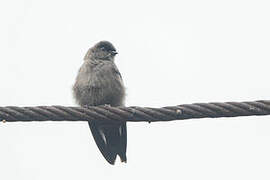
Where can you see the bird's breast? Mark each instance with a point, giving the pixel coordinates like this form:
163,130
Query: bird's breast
99,86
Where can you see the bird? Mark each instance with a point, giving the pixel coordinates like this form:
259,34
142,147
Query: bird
98,83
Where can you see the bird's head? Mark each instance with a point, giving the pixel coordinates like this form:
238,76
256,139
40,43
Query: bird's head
103,50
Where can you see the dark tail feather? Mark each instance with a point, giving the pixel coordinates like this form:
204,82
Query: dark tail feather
111,139
123,142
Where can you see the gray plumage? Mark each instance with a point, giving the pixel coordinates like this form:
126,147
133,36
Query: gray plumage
99,83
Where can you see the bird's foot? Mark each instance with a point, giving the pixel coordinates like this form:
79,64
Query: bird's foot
86,106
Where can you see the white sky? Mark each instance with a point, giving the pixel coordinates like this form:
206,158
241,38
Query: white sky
170,52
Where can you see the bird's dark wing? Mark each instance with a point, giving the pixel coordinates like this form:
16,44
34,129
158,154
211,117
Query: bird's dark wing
111,139
117,72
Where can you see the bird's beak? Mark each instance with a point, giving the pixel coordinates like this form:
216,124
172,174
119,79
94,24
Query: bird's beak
114,53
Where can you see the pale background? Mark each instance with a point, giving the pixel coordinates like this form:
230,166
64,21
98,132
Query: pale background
170,52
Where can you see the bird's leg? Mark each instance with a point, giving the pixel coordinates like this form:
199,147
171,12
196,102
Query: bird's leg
86,106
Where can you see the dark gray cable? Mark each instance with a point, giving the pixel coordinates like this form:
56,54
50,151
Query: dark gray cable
134,114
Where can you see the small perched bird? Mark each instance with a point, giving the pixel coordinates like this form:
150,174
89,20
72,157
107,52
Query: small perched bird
100,83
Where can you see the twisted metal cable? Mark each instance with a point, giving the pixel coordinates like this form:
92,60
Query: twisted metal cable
134,114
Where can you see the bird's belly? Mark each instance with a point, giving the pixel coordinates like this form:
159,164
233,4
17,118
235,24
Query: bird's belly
105,92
